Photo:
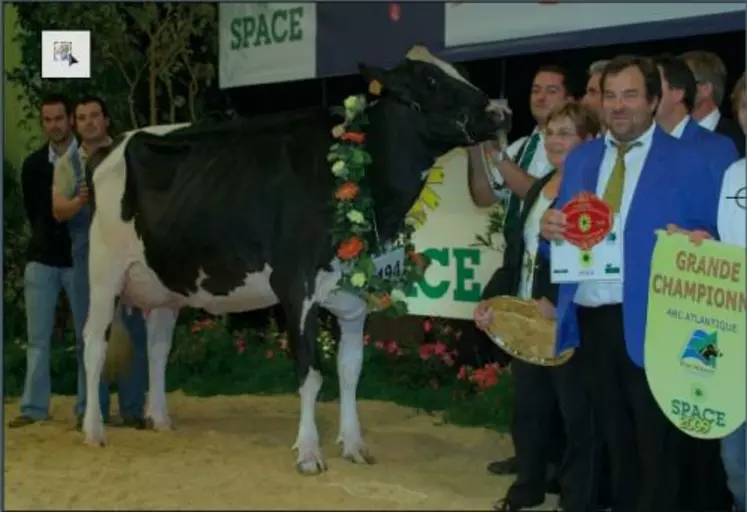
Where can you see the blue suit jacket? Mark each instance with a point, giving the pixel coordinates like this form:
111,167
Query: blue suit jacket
720,148
678,184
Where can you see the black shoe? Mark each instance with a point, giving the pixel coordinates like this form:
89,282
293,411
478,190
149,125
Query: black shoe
505,505
553,486
503,467
21,421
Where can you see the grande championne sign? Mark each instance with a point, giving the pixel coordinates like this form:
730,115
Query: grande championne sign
695,335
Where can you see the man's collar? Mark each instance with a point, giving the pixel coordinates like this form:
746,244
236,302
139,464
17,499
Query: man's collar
84,152
711,120
645,138
678,130
53,156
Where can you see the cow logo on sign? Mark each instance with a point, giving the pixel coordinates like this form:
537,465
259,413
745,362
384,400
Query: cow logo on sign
701,352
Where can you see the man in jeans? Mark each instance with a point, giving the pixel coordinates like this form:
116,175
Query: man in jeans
70,203
48,267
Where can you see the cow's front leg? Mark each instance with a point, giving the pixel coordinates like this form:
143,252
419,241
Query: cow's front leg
160,324
349,363
302,316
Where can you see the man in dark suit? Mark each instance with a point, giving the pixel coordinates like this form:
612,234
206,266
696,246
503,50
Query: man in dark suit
703,478
710,77
49,262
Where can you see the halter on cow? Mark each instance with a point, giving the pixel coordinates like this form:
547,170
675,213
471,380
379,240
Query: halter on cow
236,217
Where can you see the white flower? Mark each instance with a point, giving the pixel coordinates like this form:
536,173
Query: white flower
351,103
398,295
412,220
358,279
356,217
339,169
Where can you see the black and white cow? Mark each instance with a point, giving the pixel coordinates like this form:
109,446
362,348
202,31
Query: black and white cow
228,218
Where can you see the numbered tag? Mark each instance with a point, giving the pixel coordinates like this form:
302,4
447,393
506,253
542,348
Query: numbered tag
390,264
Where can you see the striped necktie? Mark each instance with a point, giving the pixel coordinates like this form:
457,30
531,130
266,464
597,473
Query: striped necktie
614,191
514,202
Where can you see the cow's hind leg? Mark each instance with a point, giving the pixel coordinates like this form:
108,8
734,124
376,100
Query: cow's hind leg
160,324
351,316
302,318
105,285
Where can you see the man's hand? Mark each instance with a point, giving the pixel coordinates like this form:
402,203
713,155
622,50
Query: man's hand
483,315
696,236
552,226
82,196
546,309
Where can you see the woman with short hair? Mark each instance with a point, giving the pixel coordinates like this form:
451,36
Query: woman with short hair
526,274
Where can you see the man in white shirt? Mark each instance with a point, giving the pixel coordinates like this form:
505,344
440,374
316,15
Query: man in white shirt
495,175
710,76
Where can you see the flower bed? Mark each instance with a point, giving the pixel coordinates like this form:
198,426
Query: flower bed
209,358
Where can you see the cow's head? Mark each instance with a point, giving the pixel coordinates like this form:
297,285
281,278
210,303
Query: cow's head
452,112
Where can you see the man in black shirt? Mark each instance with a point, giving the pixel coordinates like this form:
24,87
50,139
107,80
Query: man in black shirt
49,265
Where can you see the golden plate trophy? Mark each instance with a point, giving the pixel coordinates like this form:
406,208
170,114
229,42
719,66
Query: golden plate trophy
520,330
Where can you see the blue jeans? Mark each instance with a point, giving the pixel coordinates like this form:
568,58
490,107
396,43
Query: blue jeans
732,453
131,387
42,286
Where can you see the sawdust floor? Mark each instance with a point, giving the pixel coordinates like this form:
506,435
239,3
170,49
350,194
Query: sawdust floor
234,453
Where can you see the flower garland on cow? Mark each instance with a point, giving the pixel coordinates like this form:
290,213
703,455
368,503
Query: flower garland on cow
381,273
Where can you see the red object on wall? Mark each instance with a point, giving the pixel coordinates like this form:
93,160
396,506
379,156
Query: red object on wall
395,11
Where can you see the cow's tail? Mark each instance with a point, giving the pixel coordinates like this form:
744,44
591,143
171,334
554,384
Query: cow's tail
119,352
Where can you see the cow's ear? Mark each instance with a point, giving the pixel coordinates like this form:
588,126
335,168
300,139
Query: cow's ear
374,77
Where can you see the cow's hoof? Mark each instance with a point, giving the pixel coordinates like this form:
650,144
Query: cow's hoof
95,436
358,455
159,425
355,451
313,466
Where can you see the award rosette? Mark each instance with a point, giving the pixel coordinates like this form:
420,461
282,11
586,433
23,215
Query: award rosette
588,220
520,330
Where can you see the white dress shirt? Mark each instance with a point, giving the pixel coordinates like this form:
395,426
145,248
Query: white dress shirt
539,167
593,294
732,206
680,128
711,120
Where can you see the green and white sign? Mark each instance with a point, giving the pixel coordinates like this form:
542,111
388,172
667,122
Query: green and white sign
695,335
266,42
459,271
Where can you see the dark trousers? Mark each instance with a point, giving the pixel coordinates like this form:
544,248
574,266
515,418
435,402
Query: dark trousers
642,443
537,390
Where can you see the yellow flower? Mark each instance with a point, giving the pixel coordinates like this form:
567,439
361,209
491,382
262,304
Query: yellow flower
358,279
351,103
339,169
356,217
398,295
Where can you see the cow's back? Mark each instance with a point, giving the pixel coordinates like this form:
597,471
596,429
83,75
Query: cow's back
228,199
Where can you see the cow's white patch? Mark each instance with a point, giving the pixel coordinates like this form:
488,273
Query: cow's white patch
254,293
307,443
160,326
421,53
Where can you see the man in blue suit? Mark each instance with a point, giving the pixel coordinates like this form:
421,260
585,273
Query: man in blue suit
703,482
650,179
678,89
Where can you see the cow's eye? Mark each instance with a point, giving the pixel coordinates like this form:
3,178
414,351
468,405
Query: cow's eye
431,81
